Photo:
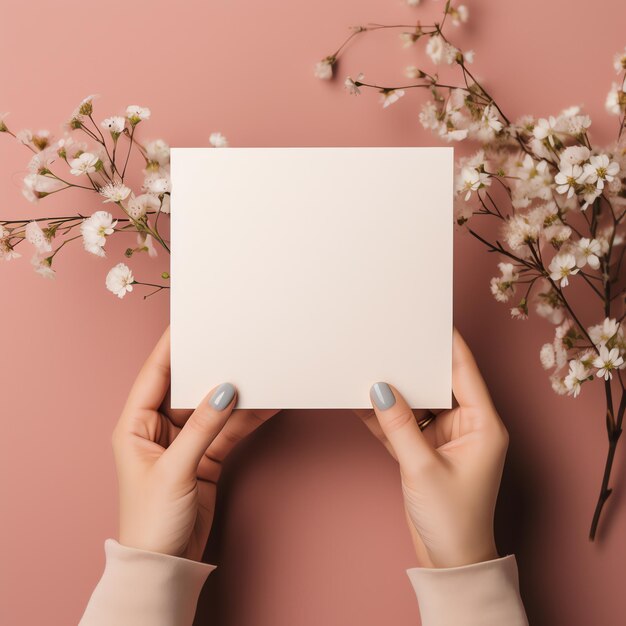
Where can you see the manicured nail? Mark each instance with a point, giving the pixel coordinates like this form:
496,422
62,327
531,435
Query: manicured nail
382,396
222,396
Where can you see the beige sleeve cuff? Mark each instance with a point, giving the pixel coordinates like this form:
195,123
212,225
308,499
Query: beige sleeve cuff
142,588
481,594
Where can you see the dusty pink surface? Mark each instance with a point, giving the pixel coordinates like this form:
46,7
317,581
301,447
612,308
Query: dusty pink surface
310,529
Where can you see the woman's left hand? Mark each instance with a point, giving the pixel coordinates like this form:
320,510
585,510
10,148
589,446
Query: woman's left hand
168,461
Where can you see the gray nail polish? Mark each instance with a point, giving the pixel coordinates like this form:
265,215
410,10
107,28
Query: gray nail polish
222,396
382,396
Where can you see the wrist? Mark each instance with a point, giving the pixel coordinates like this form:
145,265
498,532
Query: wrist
476,552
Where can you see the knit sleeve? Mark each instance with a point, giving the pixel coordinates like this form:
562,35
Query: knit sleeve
480,594
143,588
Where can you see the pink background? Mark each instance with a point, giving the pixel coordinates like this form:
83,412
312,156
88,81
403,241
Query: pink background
310,529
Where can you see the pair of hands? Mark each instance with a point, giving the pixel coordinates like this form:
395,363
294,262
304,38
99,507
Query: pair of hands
169,461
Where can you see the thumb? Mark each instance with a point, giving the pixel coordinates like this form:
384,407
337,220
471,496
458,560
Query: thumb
398,423
203,425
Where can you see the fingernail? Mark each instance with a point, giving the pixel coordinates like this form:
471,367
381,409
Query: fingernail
382,396
222,396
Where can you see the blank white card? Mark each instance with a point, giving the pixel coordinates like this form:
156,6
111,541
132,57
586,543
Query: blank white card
305,275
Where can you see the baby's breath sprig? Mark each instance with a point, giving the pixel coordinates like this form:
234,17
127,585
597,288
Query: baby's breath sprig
92,153
560,203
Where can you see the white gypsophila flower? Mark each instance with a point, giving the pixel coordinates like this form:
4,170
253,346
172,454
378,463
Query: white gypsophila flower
563,266
503,286
429,116
557,234
619,61
564,329
37,186
86,163
120,280
455,125
468,56
41,139
607,361
490,119
533,181
549,312
570,111
616,98
157,182
572,122
575,125
7,252
459,15
558,384
605,234
560,353
578,373
413,3
100,151
43,160
25,136
115,125
95,229
477,160
324,68
589,193
588,251
146,242
546,129
115,192
440,51
138,206
452,134
602,333
574,155
42,266
351,85
519,313
600,169
136,114
37,237
520,230
217,140
568,178
436,49
539,149
158,151
389,96
412,71
68,147
471,180
408,39
546,215
547,356
486,128
85,107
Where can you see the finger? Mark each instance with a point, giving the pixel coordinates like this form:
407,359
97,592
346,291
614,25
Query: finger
204,424
153,380
241,424
400,427
468,385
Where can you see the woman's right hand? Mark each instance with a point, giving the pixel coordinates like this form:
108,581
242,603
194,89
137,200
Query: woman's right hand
451,470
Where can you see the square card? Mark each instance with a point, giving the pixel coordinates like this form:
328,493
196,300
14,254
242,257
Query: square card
303,275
